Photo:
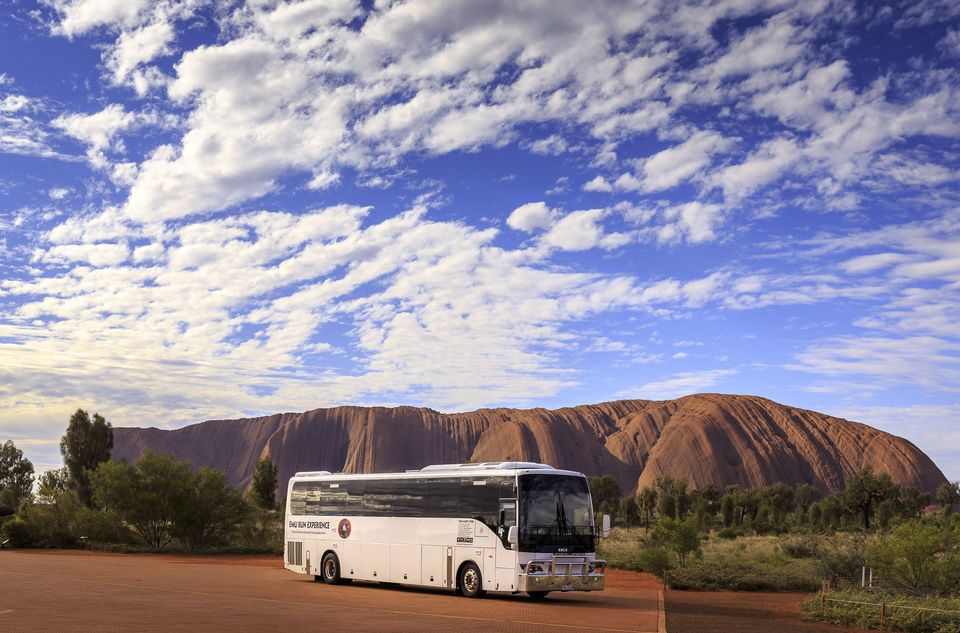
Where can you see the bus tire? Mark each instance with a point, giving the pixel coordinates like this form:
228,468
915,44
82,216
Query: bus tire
330,569
470,582
537,595
318,578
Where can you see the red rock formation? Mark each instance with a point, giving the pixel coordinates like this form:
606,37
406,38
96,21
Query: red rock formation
705,439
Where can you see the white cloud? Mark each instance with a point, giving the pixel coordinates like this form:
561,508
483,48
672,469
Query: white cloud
80,16
681,384
58,193
679,163
531,217
552,145
950,43
599,184
97,130
94,254
695,221
139,46
576,231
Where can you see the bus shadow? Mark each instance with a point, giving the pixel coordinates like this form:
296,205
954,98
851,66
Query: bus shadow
557,598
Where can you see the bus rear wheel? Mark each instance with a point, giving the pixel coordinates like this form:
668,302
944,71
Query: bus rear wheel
330,568
470,581
537,595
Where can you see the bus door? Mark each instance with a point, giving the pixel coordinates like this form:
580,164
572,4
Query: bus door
506,556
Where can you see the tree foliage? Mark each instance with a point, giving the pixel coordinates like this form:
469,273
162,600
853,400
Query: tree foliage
146,495
603,489
86,444
865,490
16,475
922,554
948,495
209,510
681,537
264,489
162,499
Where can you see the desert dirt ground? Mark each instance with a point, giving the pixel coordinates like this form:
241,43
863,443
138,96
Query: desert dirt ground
86,591
740,611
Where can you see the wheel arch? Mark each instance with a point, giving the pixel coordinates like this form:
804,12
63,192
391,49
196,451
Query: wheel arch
464,563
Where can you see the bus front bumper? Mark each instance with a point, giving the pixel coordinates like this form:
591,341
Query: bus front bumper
551,574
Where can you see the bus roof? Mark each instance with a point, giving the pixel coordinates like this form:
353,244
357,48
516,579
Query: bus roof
483,468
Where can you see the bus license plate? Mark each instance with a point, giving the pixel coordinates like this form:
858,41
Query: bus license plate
568,587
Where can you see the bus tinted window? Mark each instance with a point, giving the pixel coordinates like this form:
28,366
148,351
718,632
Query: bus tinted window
433,497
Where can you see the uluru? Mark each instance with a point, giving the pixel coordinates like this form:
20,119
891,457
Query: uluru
704,438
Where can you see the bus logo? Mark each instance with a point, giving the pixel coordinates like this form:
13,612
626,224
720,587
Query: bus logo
344,528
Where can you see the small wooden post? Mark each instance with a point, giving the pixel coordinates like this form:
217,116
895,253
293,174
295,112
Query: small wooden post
883,614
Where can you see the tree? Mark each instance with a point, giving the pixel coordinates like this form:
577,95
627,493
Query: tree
209,511
602,489
667,507
16,475
648,503
806,496
54,479
912,502
682,537
264,490
925,555
948,495
162,499
630,510
865,490
86,444
727,510
147,495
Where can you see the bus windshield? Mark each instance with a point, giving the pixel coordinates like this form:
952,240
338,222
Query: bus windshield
555,514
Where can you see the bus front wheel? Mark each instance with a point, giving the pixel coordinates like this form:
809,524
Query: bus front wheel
330,568
470,581
537,595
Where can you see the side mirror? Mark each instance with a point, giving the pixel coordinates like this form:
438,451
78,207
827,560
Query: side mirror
605,530
513,535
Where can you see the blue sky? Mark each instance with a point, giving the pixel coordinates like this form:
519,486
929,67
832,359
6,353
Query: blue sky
213,209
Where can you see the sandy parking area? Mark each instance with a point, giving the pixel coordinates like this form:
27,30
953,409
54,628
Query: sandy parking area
741,611
82,591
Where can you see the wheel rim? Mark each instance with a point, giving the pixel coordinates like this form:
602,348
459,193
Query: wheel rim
471,580
329,569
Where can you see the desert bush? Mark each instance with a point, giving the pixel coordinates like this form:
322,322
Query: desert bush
655,560
19,532
729,533
922,554
799,547
749,564
261,532
896,616
680,537
162,499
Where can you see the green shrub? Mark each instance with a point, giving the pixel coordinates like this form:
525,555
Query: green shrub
655,560
799,548
749,564
19,533
729,533
896,617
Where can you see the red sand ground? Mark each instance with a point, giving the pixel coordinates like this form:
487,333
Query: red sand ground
740,611
85,591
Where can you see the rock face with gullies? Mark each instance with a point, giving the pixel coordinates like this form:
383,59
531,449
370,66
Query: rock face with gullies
704,438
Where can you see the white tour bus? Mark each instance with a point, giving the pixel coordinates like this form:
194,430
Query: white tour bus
497,526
